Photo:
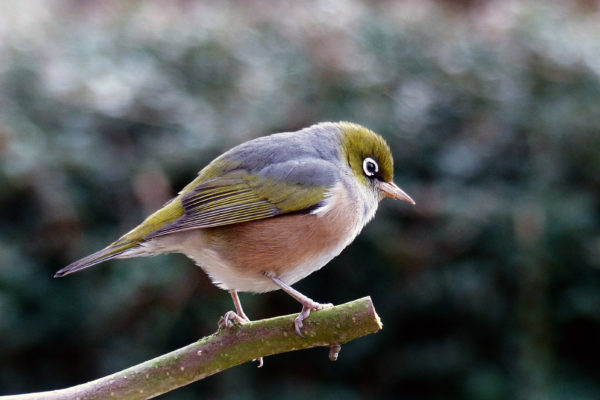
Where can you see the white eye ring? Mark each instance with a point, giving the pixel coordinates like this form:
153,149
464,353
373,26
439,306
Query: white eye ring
370,166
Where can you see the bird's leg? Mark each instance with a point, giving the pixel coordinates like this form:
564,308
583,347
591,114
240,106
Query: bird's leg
237,316
308,304
238,305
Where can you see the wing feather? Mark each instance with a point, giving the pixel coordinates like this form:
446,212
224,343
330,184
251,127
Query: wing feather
240,197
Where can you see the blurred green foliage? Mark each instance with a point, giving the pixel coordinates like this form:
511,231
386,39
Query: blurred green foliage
488,289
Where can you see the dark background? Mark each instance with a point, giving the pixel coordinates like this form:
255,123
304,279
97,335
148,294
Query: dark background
489,288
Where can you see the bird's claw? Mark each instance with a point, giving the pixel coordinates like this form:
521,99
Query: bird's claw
306,309
230,318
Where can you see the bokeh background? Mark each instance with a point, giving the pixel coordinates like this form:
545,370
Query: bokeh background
489,288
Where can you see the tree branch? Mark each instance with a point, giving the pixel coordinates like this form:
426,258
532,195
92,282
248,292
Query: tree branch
224,349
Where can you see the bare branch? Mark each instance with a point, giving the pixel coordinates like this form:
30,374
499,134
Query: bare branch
330,327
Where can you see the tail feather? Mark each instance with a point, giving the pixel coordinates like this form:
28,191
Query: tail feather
137,236
110,252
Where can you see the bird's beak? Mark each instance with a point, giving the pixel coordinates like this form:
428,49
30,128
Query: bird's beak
391,190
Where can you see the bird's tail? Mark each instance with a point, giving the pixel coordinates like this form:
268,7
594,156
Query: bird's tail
112,251
130,244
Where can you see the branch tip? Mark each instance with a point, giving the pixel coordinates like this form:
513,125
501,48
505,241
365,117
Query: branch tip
334,351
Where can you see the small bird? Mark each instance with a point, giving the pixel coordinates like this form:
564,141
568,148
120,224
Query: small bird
270,211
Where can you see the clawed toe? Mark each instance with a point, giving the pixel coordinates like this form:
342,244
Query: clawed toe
230,318
322,306
306,309
298,325
308,304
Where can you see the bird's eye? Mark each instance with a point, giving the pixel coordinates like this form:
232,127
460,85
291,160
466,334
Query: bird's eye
370,166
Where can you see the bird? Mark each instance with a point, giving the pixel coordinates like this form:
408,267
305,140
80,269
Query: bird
270,211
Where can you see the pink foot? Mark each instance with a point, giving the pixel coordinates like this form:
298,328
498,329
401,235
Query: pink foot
231,318
307,307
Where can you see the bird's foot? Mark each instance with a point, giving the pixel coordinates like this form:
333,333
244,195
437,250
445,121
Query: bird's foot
308,306
230,318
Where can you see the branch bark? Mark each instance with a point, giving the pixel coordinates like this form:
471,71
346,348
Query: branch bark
225,349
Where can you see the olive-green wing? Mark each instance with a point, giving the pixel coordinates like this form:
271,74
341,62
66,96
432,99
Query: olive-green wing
241,197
